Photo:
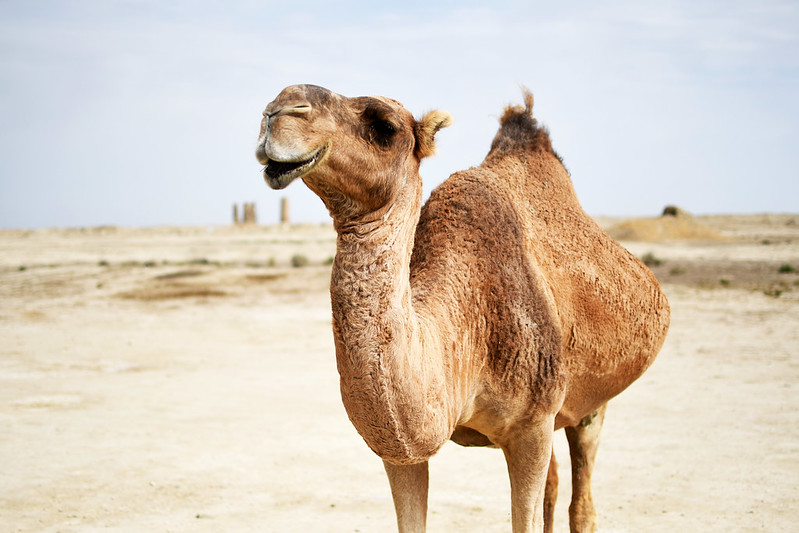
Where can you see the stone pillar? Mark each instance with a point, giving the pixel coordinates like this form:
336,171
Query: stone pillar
249,213
284,211
235,214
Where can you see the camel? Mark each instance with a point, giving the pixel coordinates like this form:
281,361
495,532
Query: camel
494,315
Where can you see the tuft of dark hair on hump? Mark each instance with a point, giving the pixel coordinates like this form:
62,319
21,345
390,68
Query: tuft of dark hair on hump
519,131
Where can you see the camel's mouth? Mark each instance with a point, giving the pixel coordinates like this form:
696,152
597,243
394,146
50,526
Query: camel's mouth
278,174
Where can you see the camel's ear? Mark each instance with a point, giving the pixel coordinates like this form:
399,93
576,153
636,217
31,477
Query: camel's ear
426,130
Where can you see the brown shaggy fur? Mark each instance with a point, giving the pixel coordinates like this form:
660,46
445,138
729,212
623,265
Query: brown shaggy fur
494,315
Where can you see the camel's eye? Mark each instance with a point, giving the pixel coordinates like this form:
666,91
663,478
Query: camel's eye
379,128
383,128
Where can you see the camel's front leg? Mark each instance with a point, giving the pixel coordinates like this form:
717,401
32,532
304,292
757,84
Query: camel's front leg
409,490
528,455
583,443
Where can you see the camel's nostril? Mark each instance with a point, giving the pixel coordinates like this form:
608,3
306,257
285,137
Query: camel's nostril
296,109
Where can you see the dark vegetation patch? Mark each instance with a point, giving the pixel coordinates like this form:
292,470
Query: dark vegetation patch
299,261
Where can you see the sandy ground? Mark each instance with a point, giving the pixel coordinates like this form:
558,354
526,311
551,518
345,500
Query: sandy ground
184,380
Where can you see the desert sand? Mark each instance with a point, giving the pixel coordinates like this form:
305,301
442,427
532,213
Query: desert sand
184,379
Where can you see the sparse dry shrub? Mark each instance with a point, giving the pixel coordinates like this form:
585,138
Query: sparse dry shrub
787,268
299,260
650,260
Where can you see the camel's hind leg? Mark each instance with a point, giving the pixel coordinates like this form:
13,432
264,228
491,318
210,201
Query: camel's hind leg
583,443
550,494
409,489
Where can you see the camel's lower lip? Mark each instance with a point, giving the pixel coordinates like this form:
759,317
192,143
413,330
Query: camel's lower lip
279,174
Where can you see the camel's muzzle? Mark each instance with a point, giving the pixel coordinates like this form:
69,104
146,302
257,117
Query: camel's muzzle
279,174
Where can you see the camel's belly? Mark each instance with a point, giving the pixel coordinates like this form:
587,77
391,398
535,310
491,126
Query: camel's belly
470,437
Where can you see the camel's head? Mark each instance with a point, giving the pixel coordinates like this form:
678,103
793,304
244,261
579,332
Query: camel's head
355,153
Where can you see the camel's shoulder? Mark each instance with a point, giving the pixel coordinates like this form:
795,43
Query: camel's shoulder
470,200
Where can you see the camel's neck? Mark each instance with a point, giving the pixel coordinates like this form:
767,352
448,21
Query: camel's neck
392,387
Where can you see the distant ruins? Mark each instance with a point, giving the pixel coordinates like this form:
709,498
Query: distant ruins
249,216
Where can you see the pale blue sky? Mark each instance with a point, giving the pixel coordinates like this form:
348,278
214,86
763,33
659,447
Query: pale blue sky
146,112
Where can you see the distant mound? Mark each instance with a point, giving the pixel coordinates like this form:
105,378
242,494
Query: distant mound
674,225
